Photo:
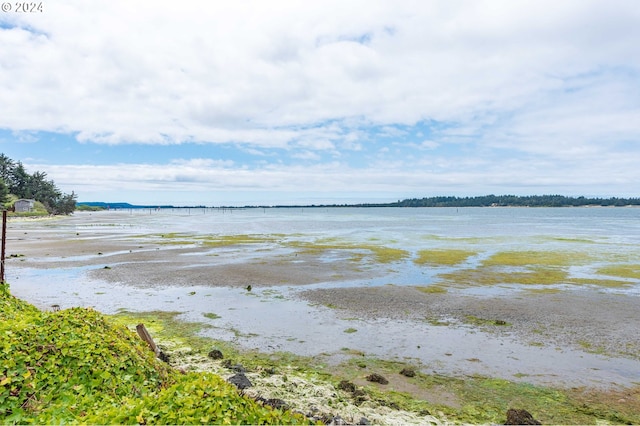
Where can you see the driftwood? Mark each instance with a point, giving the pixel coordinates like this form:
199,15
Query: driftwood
144,335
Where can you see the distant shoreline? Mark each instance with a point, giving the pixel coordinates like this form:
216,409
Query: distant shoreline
444,201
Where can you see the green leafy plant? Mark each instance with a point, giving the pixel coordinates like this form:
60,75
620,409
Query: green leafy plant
76,365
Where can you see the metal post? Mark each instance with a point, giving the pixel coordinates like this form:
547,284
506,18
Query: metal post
4,244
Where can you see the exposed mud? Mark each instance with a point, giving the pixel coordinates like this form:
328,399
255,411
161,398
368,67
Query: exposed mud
121,255
593,321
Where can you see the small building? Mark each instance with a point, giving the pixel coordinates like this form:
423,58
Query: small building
23,205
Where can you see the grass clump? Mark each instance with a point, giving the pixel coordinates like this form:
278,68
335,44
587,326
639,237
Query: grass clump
78,366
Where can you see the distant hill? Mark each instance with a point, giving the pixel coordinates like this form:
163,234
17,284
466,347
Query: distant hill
441,201
496,201
515,201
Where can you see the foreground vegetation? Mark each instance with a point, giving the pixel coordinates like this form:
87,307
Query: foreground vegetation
79,366
76,366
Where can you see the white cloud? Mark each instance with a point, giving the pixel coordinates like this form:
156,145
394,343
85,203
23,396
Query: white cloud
555,81
154,72
429,144
220,182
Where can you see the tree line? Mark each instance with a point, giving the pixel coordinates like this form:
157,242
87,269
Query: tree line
515,201
14,180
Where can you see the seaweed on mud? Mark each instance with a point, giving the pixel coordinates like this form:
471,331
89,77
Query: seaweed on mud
621,270
474,320
443,257
530,267
356,251
432,289
551,258
236,239
485,276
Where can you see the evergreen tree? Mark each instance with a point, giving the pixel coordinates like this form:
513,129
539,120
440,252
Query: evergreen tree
15,180
20,182
66,204
4,193
7,167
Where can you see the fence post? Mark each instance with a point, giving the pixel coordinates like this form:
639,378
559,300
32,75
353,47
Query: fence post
144,335
4,245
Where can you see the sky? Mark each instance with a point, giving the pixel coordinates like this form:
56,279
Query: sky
310,102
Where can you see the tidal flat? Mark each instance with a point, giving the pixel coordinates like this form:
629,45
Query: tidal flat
499,294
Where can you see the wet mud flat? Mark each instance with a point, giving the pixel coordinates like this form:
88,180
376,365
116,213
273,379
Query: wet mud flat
115,251
329,297
596,322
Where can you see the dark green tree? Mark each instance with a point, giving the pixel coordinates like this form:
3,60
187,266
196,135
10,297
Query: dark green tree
20,183
44,191
66,204
7,167
36,186
4,193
